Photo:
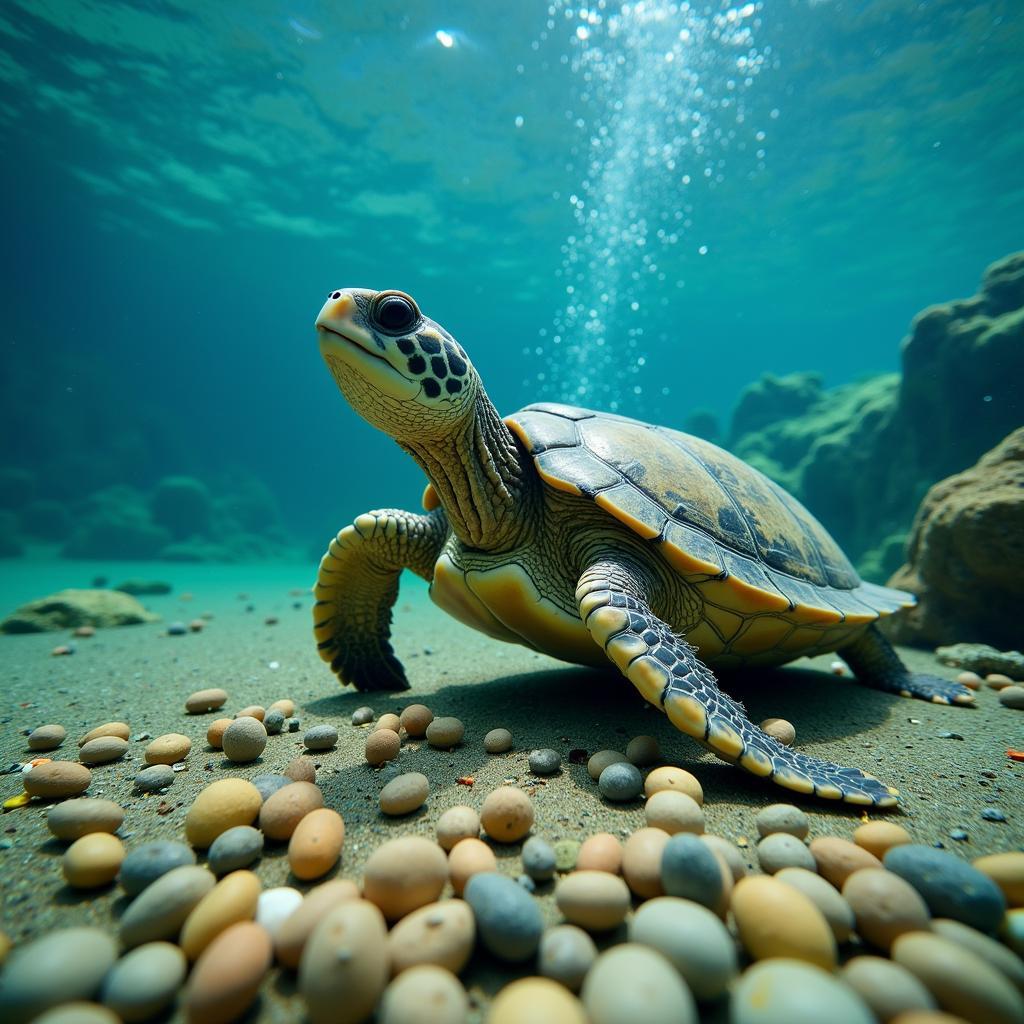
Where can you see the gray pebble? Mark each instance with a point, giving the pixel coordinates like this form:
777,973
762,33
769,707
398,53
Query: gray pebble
620,781
176,629
781,850
508,920
959,834
154,778
144,981
294,724
545,761
566,954
244,740
993,814
689,869
236,848
1012,697
782,818
527,883
160,910
362,716
539,859
273,722
320,737
950,887
145,864
268,784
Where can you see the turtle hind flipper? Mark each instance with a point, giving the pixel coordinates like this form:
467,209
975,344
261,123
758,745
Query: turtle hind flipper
382,672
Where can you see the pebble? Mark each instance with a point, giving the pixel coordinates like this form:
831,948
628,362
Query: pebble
786,991
643,751
566,954
275,906
315,845
782,818
693,939
507,814
381,746
107,729
673,811
691,870
320,737
344,966
992,814
404,874
594,900
545,761
438,933
776,920
878,837
961,982
216,730
273,722
887,988
415,718
425,992
824,896
468,858
75,818
293,724
1006,870
143,865
56,779
252,711
92,861
176,629
885,906
498,741
389,721
227,976
232,899
144,981
620,782
969,679
301,769
998,681
729,853
268,784
641,861
529,1000
154,778
445,733
538,859
220,806
630,983
457,823
567,852
285,705
780,729
280,815
47,737
362,716
993,952
160,910
508,920
672,778
103,750
236,848
294,931
244,740
201,701
1012,697
56,968
780,850
950,887
600,852
599,761
837,859
168,749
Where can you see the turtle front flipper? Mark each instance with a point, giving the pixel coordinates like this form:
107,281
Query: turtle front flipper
357,586
667,672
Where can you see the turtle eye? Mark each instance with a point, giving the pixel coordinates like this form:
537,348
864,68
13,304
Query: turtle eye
394,312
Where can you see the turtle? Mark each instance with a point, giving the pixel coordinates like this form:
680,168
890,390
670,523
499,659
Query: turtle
597,539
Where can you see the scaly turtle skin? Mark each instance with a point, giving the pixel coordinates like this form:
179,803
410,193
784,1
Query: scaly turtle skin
592,538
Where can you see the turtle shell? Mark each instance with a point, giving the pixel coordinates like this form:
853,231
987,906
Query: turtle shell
711,514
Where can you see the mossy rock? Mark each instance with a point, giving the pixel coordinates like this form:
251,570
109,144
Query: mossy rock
68,609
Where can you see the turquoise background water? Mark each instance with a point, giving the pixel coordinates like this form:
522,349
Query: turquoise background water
727,190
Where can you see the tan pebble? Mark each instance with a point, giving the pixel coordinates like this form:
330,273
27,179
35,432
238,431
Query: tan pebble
170,748
215,733
404,793
962,982
424,993
643,751
75,818
294,932
634,983
824,896
381,746
989,949
600,760
107,729
438,933
252,711
457,823
220,806
103,750
93,860
998,681
886,987
78,1012
84,631
673,811
344,966
926,1017
244,740
56,779
668,777
404,874
600,852
641,861
205,700
228,974
1011,931
315,845
196,625
1007,871
231,900
287,807
5,946
594,900
776,920
780,729
47,737
388,721
445,733
467,858
415,718
62,650
885,906
969,679
160,910
729,852
878,837
301,769
1012,697
507,814
285,705
837,859
536,1001
498,741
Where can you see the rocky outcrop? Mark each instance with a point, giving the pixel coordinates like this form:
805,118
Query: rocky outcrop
983,659
965,556
68,609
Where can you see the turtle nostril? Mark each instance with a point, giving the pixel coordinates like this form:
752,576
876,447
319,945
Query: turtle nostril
334,295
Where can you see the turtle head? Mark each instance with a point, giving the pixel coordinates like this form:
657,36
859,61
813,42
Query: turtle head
399,369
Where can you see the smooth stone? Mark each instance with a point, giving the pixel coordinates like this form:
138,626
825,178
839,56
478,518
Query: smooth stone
285,705
594,900
600,852
566,954
694,940
47,737
631,982
673,811
93,860
231,900
824,896
672,778
301,769
144,981
643,751
381,746
144,864
780,850
73,819
455,824
538,859
273,722
984,946
315,845
154,778
227,976
601,759
690,870
160,910
545,761
836,859
415,718
424,990
886,988
292,934
785,991
215,732
78,1012
621,782
878,837
404,874
237,848
56,779
170,748
107,729
507,814
244,740
56,968
252,711
508,920
729,852
205,700
782,818
885,906
1012,697
779,729
320,737
389,721
445,733
641,861
404,793
103,750
567,853
498,741
468,858
535,1001
281,814
950,887
275,906
1006,870
439,933
220,806
268,784
362,716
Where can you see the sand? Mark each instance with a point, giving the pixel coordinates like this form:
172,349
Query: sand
140,675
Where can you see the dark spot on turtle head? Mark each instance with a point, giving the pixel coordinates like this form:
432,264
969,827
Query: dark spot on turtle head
455,361
417,364
431,387
430,345
406,346
453,386
439,366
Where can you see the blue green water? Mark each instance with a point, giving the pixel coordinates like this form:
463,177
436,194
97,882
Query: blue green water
641,207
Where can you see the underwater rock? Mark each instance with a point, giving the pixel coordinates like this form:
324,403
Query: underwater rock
982,659
182,505
115,523
69,608
966,555
703,423
143,588
196,550
45,519
775,398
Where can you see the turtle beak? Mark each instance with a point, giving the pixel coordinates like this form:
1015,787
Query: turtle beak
336,313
